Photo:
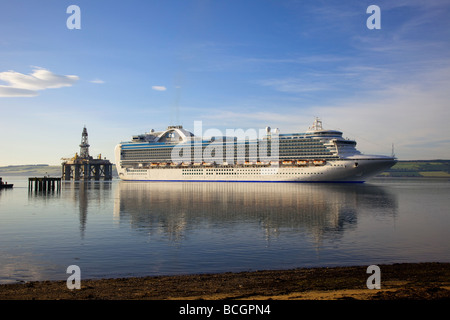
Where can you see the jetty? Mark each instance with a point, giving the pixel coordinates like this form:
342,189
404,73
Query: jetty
5,185
44,184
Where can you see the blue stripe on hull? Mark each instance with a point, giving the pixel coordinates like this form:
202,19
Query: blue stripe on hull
258,181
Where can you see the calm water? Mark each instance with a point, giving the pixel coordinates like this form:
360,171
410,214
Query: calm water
121,229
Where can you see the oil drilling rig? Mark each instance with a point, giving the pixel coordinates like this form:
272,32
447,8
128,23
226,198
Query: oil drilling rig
85,167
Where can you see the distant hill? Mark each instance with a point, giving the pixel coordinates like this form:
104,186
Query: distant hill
36,170
419,168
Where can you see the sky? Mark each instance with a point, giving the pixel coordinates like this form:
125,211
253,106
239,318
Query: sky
136,65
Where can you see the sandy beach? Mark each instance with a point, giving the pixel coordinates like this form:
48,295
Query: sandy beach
417,281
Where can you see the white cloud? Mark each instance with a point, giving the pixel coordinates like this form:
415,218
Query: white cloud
159,88
7,91
28,85
97,81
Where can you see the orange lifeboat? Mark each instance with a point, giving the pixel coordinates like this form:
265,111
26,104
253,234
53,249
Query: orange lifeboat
319,162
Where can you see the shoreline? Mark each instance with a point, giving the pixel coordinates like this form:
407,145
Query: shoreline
399,281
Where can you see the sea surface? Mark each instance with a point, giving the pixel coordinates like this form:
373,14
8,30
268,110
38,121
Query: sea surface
123,229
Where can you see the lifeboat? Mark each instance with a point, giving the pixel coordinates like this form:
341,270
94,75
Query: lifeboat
154,164
287,162
163,164
302,162
319,162
174,164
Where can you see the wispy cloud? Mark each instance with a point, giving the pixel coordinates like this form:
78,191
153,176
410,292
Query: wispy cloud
159,88
28,85
294,85
97,81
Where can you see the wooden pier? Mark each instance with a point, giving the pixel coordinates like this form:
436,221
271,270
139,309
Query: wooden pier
44,184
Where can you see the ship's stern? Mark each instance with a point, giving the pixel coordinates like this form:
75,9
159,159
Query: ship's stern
118,157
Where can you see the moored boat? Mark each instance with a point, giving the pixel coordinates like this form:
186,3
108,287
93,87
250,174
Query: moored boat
5,185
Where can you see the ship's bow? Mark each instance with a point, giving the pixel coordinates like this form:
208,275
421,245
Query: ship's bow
367,166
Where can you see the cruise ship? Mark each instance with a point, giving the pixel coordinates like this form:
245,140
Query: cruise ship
316,155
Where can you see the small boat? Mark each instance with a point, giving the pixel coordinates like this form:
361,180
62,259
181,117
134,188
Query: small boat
5,185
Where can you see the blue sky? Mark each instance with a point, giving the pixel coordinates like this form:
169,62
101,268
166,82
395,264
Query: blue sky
137,65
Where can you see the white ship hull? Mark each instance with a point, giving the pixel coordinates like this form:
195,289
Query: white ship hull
333,171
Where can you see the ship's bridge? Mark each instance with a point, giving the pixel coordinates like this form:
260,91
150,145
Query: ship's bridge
317,130
174,134
323,133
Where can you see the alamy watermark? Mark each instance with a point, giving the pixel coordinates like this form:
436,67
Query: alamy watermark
236,146
74,280
374,21
374,281
74,20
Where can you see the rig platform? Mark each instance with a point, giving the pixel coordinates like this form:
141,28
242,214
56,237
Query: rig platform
85,167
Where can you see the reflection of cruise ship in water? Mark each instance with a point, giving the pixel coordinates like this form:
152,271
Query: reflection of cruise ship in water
177,154
319,210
